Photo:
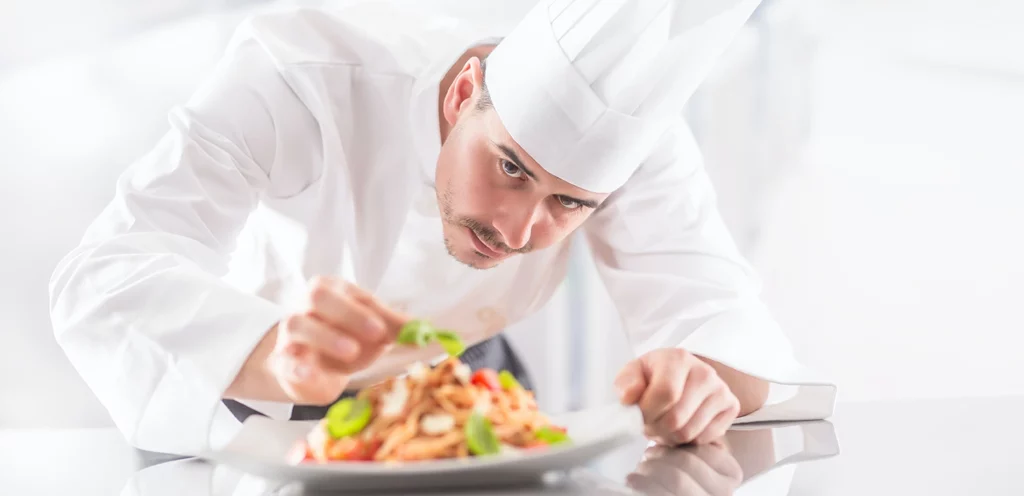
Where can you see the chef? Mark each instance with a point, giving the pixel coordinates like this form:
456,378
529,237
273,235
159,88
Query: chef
340,173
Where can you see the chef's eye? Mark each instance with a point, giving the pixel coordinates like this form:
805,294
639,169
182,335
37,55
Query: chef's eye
569,203
510,169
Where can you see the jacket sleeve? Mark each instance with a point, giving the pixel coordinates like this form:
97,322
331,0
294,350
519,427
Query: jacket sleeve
139,306
675,274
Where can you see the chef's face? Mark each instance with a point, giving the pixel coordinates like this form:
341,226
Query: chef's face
497,201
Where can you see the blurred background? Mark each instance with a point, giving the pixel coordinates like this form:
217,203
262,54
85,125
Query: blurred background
867,156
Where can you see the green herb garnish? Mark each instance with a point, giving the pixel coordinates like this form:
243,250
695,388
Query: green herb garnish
551,436
480,436
421,333
507,380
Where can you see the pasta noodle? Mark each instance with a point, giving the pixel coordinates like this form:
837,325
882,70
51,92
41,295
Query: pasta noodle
431,414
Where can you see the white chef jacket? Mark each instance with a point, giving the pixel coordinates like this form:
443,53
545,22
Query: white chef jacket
311,151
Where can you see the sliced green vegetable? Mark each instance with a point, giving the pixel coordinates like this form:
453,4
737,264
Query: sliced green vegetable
348,416
416,332
480,436
551,436
451,342
507,380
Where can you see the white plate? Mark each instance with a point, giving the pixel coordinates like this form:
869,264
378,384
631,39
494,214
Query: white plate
260,449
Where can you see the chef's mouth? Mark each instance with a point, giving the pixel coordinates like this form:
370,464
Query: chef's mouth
483,248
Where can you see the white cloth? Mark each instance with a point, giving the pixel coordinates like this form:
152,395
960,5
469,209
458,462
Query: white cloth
311,151
588,87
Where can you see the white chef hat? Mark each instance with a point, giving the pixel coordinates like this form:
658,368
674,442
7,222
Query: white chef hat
587,87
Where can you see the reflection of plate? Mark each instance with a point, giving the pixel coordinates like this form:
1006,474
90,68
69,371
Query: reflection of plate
260,448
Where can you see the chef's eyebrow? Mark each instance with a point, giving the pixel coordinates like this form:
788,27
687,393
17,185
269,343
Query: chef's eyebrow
585,203
514,157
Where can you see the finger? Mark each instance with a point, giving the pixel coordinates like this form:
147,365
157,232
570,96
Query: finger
390,316
303,379
367,356
716,429
393,319
630,382
714,405
701,382
321,338
665,388
333,302
364,356
653,435
326,362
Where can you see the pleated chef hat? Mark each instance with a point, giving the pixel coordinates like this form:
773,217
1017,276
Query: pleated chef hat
587,87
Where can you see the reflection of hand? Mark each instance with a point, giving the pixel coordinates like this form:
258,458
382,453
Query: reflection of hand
708,469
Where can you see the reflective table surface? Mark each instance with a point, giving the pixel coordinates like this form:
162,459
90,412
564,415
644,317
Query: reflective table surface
936,447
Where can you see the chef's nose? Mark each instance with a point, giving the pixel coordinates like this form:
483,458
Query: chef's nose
517,226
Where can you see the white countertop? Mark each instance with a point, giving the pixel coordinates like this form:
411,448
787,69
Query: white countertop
936,447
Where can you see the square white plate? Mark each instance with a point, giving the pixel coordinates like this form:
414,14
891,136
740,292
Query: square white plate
261,447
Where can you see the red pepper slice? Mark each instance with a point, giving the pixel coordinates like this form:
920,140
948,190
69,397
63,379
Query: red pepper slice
487,378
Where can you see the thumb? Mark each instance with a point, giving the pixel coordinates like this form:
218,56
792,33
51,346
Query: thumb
393,318
631,382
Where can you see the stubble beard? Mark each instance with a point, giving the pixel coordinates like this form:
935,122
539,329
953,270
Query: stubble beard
485,233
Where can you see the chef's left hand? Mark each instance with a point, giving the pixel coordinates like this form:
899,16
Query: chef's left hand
682,398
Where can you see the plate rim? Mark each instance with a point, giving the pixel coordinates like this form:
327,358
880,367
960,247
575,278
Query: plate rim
619,435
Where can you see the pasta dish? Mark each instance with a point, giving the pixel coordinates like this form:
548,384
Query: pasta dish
431,413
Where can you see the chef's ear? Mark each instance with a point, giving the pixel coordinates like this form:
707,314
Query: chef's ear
464,91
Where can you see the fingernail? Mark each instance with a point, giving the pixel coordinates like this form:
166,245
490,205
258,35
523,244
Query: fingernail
622,387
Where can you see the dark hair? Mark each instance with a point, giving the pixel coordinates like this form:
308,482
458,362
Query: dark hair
484,102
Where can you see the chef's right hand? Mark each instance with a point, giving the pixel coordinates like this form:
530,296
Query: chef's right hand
341,330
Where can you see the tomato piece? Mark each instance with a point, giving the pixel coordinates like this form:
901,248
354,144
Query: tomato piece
370,449
487,378
343,449
365,451
351,449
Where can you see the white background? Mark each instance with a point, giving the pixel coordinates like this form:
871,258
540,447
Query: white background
868,158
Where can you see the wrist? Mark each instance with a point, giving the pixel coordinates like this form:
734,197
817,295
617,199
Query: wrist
751,391
255,380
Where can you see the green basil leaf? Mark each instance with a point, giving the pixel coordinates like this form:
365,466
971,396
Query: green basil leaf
480,436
